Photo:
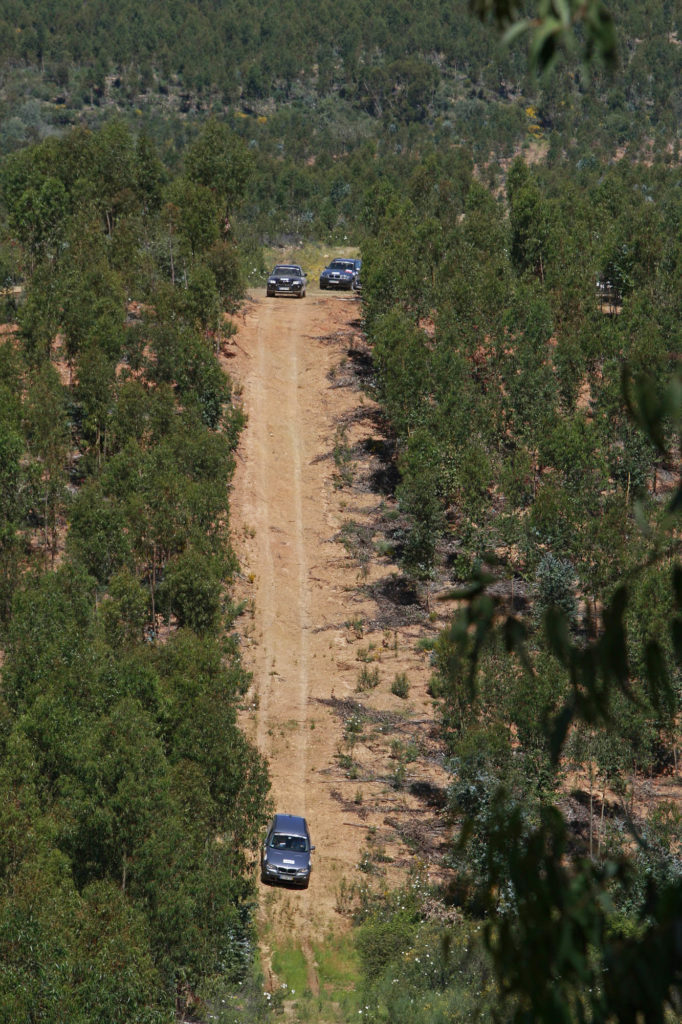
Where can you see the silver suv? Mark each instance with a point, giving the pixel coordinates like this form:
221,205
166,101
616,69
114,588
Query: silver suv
285,856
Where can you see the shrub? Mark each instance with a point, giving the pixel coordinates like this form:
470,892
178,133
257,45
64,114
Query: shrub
379,942
126,611
400,685
555,584
191,591
368,678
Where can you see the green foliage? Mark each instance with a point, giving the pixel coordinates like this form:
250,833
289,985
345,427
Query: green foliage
126,612
130,797
401,360
555,26
577,966
220,161
531,424
400,686
13,482
555,581
191,590
117,795
368,678
417,968
383,942
500,377
316,113
419,497
223,260
98,538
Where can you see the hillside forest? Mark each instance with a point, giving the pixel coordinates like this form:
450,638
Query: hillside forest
522,268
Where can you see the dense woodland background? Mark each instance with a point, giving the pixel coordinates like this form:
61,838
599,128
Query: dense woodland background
148,152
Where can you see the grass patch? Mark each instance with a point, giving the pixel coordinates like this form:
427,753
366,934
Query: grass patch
338,971
289,964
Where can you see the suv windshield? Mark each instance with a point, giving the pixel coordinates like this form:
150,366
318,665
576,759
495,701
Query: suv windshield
297,844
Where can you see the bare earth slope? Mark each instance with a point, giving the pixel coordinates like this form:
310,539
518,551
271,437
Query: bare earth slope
302,643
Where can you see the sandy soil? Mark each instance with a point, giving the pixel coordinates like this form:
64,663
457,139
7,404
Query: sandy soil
312,624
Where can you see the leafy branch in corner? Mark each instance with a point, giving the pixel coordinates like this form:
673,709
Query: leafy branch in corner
558,25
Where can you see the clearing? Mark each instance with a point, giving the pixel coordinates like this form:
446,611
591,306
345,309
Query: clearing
329,625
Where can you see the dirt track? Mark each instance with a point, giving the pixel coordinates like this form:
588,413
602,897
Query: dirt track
303,591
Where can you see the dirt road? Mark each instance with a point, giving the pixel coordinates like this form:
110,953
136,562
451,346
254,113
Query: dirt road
302,642
285,515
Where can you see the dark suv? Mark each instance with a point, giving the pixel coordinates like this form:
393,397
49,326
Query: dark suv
286,279
285,856
340,273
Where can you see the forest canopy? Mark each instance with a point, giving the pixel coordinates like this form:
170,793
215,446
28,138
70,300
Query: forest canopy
330,99
130,798
526,362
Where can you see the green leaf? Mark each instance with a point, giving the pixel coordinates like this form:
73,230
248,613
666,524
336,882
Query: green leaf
469,590
676,501
676,633
563,11
516,29
557,632
658,678
544,43
560,727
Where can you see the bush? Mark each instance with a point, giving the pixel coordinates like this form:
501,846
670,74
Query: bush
555,584
380,942
191,591
367,679
126,611
400,685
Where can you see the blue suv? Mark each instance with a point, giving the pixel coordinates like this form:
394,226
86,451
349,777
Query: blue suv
285,856
340,273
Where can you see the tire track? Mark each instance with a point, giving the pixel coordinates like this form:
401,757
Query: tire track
282,594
